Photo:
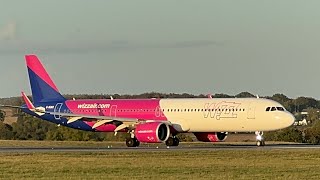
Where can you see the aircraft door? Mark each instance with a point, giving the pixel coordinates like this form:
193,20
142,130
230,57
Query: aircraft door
113,111
57,109
252,111
158,112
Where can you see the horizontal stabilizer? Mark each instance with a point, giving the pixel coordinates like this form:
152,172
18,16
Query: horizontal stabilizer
38,110
10,106
27,101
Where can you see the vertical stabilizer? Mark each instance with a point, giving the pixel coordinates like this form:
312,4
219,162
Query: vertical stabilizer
42,87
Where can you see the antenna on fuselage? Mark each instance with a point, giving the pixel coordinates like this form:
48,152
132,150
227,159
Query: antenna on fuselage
111,97
258,96
209,96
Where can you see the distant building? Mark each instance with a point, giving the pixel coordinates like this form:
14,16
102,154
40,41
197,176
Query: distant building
303,122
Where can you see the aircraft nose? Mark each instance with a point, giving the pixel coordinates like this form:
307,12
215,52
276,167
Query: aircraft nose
287,119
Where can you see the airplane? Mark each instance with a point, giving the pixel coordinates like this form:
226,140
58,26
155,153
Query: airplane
153,120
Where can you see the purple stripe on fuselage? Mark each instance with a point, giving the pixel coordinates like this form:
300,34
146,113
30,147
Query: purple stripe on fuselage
36,66
137,109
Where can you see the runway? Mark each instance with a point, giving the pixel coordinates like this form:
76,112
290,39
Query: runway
153,149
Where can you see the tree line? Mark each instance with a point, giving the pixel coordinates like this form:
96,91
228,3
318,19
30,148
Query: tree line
30,128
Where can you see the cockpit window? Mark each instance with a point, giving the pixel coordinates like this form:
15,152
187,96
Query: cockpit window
275,109
280,108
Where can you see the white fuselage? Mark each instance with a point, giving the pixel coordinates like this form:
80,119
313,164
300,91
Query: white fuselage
225,115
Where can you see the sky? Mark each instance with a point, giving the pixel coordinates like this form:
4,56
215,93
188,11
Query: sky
192,46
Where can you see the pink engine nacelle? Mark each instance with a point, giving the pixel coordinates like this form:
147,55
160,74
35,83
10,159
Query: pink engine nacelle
153,132
211,137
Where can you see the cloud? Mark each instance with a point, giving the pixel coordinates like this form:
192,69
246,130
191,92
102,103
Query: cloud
8,32
18,46
187,44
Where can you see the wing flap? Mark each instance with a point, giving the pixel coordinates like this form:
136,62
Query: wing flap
73,119
100,123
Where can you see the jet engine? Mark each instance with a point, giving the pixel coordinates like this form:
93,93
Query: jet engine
154,132
211,137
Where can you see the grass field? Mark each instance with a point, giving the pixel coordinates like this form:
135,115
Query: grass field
217,164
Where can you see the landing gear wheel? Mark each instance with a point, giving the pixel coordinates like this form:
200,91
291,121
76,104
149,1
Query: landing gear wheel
260,143
172,141
132,142
176,142
137,143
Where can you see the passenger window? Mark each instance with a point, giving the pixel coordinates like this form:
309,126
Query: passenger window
268,108
273,109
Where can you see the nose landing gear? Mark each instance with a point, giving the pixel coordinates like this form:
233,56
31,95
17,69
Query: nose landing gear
260,139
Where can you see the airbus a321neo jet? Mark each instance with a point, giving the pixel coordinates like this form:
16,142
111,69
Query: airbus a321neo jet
153,120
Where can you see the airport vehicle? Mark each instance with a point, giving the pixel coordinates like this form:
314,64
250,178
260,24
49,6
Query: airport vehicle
153,120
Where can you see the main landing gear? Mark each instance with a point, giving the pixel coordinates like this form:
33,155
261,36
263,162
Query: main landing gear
260,139
173,141
132,142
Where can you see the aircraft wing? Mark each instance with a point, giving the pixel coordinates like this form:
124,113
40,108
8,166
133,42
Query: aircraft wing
126,122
